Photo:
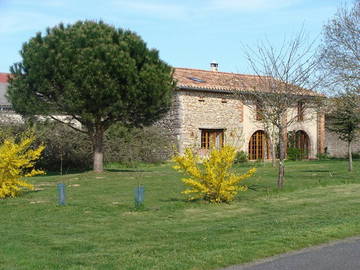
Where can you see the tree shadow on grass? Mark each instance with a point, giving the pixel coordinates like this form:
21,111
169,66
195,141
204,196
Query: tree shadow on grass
314,171
173,200
127,170
67,172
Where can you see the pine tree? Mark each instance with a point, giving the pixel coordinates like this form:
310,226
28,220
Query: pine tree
93,74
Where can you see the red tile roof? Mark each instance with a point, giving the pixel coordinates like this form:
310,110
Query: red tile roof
4,77
188,78
214,80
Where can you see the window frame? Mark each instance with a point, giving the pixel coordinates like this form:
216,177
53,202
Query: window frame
208,138
258,112
300,111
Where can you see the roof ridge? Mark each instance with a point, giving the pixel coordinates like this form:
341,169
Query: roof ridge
210,71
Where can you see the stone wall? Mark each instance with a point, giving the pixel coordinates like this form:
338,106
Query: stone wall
321,132
194,110
10,117
338,148
171,122
310,126
205,110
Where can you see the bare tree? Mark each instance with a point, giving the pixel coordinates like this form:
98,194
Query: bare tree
340,52
343,118
339,59
284,83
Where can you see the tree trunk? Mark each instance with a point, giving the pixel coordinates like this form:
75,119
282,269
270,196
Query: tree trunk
61,163
98,155
273,152
350,156
281,174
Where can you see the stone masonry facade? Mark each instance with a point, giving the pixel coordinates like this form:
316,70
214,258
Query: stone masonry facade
195,109
204,110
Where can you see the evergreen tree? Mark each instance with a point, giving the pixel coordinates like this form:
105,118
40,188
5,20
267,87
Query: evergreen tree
93,74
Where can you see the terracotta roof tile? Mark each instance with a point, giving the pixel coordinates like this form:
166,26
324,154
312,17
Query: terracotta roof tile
223,81
4,77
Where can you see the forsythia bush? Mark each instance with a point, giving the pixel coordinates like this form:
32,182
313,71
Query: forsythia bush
17,161
212,180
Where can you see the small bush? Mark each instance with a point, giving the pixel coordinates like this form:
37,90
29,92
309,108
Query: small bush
17,160
66,149
241,157
293,153
130,146
322,156
212,181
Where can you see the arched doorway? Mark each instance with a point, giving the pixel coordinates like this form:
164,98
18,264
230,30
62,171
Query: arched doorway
302,143
298,145
258,146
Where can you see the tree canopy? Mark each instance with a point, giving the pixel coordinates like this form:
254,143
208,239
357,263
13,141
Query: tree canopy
93,73
344,119
285,77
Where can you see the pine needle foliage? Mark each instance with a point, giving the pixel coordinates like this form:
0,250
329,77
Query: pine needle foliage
17,160
95,75
212,180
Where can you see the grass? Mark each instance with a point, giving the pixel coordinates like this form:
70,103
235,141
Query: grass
99,228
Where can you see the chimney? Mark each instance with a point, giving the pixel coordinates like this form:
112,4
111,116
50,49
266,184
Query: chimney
214,66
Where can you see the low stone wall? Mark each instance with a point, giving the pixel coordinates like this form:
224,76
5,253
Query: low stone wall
338,148
171,121
10,117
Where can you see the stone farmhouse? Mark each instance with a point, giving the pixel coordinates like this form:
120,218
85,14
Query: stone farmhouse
205,114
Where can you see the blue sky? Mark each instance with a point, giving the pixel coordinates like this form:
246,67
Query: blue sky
187,33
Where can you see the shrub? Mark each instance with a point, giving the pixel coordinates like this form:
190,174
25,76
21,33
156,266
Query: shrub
17,160
66,149
323,156
241,157
212,181
293,153
130,146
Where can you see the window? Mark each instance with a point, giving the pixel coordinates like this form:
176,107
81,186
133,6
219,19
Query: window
258,113
6,108
212,138
300,111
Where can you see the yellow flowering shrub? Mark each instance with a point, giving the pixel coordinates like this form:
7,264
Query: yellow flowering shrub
17,161
213,180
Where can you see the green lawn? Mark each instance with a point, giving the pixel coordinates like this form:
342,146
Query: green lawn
100,229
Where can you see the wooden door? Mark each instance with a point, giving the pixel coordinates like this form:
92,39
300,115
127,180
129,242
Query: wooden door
258,146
